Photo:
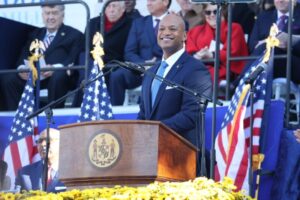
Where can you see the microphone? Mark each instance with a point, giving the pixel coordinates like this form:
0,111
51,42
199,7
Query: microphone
136,68
253,76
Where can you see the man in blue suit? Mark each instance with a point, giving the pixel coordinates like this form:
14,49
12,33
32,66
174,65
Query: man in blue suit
31,176
283,39
141,47
165,103
260,32
63,44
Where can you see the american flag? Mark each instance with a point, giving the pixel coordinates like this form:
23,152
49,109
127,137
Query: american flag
233,141
96,101
22,149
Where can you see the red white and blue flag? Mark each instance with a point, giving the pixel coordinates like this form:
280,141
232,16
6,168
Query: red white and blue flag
96,103
233,141
22,149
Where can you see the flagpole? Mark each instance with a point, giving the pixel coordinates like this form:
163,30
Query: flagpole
250,171
215,87
49,115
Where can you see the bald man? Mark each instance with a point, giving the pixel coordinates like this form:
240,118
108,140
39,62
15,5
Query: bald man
30,177
165,103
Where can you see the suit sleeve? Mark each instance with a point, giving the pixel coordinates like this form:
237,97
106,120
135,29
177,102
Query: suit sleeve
254,36
132,44
186,119
75,47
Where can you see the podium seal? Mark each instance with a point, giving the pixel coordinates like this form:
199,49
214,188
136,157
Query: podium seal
104,150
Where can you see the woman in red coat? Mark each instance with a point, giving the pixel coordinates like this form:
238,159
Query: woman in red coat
201,42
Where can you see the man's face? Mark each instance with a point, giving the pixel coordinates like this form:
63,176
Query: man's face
53,17
114,11
129,5
185,5
54,147
282,5
157,7
171,34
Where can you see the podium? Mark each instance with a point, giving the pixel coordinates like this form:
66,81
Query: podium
123,152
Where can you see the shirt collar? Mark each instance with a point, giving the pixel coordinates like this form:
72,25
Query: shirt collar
160,17
53,33
279,14
173,58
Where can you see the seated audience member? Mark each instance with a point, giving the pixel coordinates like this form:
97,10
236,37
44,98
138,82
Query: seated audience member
31,177
116,28
260,32
201,42
283,41
4,179
130,9
141,47
62,45
169,105
191,13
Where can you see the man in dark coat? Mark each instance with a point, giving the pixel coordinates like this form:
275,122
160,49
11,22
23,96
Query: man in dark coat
62,43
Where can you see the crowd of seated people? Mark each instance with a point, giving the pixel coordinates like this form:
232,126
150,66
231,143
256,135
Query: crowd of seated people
129,36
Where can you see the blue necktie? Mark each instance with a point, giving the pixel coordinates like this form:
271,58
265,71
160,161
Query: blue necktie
156,26
282,23
156,83
48,39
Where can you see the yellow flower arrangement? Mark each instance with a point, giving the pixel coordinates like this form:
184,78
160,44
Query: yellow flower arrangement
198,189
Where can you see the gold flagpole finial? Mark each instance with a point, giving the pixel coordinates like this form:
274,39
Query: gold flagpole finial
98,51
271,42
257,160
36,48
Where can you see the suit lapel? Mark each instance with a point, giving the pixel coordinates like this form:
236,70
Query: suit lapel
170,76
60,35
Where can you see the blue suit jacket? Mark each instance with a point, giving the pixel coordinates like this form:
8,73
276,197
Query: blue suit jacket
261,31
64,48
141,42
30,178
264,22
177,110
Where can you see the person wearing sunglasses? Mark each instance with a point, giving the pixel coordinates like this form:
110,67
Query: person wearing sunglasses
201,42
30,177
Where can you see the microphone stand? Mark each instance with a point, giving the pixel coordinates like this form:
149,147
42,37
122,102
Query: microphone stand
201,99
49,114
250,80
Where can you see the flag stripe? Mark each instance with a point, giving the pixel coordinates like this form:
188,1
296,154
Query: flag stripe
21,148
232,146
14,150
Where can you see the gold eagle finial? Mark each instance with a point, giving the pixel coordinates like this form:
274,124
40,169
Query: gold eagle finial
271,42
36,48
98,51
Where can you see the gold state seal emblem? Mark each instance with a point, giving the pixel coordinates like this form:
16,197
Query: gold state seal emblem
104,150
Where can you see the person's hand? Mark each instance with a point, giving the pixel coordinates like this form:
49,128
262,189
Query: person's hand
47,74
297,135
24,75
283,39
203,53
260,43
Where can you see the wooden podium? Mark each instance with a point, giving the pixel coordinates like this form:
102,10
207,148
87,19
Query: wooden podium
123,152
